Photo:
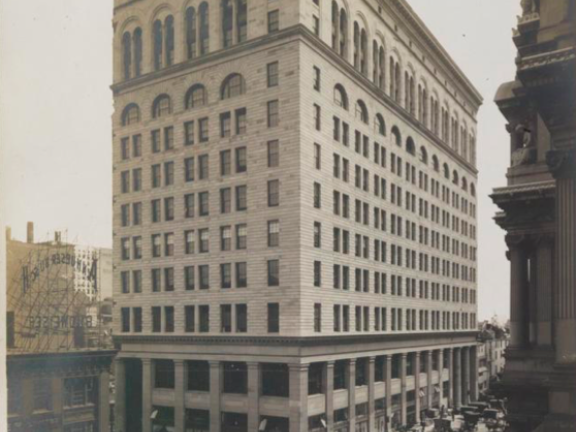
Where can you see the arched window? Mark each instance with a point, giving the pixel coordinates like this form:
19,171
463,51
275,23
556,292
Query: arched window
464,184
195,97
158,43
233,86
343,33
397,136
375,62
380,125
472,189
163,42
340,96
410,146
242,20
472,149
361,111
127,55
446,171
169,25
161,106
191,33
464,142
204,25
382,69
131,114
423,155
227,23
356,46
409,92
435,163
363,52
455,178
335,25
132,53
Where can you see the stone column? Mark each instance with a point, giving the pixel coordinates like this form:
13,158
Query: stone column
473,374
298,397
429,382
518,294
562,163
147,389
457,378
466,375
388,378
104,401
440,377
120,396
352,394
215,391
371,398
451,377
329,392
404,401
417,384
179,392
545,281
253,395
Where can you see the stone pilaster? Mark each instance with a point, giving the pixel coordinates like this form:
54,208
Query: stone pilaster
473,374
215,390
429,383
451,378
298,397
253,395
562,163
388,378
371,398
466,375
179,391
417,384
518,294
545,281
329,392
120,397
147,389
440,376
457,378
404,402
104,401
352,393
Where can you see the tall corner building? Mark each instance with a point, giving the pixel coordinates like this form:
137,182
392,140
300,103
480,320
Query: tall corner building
294,217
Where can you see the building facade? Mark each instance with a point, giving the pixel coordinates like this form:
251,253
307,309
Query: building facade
99,287
57,373
492,344
538,213
294,217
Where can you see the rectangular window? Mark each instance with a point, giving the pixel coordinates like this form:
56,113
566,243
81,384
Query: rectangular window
317,235
273,317
225,276
156,176
156,246
125,316
189,319
168,173
169,319
273,233
125,181
204,312
189,133
137,145
241,198
273,154
204,203
125,215
241,318
241,121
273,272
225,162
189,278
272,74
204,236
156,280
317,318
203,167
137,213
125,148
137,247
317,117
317,78
317,273
168,138
273,113
137,319
273,193
125,282
189,242
137,179
241,236
225,238
169,279
273,21
155,137
169,208
241,160
241,275
204,275
189,200
317,156
225,200
156,319
203,130
225,125
225,318
317,195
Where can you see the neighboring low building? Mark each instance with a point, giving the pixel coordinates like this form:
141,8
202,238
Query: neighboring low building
493,341
58,373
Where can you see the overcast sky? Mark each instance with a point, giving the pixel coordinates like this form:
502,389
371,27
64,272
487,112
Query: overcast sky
55,127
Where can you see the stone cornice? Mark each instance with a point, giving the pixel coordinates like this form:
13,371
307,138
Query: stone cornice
435,46
313,41
312,341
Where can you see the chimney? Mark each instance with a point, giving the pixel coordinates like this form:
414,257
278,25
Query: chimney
30,233
8,233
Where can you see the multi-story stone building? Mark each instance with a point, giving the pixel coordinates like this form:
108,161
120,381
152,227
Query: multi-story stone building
538,213
98,287
492,344
294,216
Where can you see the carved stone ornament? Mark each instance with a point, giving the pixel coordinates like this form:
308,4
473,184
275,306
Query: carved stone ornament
528,7
562,163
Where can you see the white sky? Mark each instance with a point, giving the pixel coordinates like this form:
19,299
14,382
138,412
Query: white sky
55,127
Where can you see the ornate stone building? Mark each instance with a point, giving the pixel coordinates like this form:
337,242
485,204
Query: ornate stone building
539,215
294,217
